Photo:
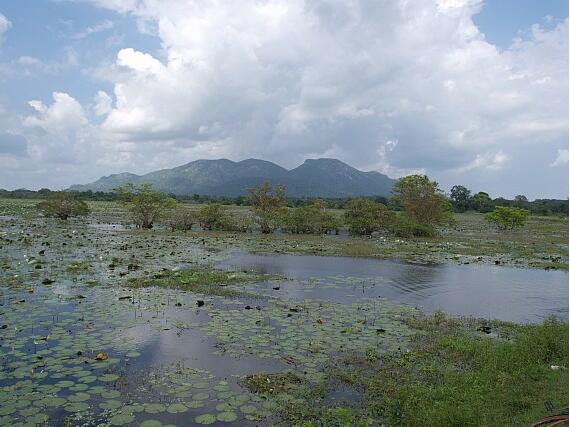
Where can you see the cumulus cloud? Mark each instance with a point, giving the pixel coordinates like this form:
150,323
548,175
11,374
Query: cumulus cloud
394,86
284,80
103,103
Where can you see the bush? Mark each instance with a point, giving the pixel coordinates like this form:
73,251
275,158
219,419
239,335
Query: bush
145,204
404,226
505,218
213,216
181,219
62,205
268,205
312,219
364,216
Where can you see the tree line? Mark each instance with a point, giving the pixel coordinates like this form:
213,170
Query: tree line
421,208
461,199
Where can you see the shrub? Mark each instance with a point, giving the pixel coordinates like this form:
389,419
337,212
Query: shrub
145,204
268,205
311,219
505,218
364,216
181,219
63,204
404,226
213,216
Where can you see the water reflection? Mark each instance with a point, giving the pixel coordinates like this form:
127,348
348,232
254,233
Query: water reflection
521,295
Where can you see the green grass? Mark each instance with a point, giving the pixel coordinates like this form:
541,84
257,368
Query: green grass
453,376
203,280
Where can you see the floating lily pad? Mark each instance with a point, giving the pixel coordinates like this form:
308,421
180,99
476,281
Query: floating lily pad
121,419
109,377
227,416
79,397
205,419
176,408
110,394
76,407
154,408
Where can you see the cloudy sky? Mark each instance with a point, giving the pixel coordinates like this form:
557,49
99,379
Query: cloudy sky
470,92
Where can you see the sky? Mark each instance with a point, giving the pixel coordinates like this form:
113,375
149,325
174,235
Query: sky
469,92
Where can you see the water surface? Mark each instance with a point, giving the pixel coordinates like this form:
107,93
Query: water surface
512,294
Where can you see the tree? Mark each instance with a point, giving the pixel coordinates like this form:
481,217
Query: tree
521,201
422,200
364,216
308,219
267,205
460,198
63,204
505,218
145,204
481,202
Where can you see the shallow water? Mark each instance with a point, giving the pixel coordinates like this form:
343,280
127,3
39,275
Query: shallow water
171,362
511,294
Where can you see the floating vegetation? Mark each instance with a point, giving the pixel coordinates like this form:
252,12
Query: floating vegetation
203,280
109,326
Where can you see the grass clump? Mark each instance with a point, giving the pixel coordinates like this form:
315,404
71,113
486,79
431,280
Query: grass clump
272,383
203,280
456,375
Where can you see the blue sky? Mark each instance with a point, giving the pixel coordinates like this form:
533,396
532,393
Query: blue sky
469,92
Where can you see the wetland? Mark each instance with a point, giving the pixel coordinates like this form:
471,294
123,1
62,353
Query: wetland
102,324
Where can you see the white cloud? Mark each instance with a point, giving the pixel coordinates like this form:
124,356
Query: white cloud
103,103
97,28
284,80
5,25
561,158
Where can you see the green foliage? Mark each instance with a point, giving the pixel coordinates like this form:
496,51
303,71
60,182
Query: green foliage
62,205
310,219
422,200
364,216
404,226
213,216
146,205
460,196
454,376
481,202
267,204
204,280
181,219
506,218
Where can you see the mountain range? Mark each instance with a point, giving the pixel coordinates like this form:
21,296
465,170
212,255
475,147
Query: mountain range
222,177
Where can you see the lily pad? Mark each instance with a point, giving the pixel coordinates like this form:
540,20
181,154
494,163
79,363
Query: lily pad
121,419
205,419
227,416
177,408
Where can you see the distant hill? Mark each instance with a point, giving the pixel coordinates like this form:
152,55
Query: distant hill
314,178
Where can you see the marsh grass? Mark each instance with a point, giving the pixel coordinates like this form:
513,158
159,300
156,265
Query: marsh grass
204,280
455,376
358,249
